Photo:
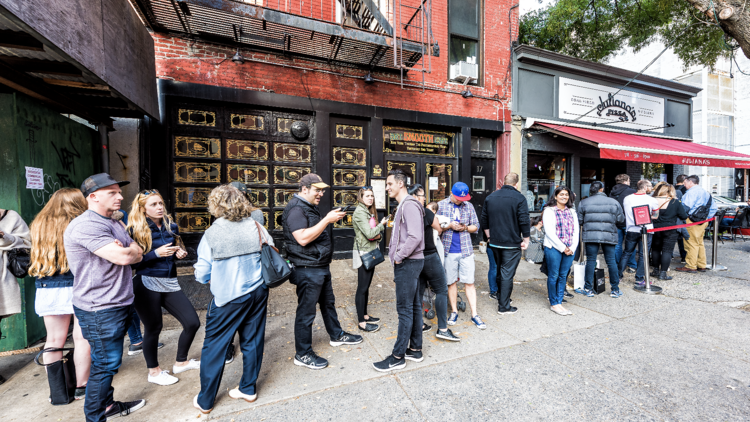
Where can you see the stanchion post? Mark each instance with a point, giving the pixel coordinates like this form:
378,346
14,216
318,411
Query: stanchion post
647,288
715,248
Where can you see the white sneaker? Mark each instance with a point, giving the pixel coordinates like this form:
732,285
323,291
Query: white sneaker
163,378
235,393
192,364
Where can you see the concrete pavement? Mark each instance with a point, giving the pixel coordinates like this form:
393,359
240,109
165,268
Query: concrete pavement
684,355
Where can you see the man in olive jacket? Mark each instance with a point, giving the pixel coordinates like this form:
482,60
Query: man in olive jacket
599,216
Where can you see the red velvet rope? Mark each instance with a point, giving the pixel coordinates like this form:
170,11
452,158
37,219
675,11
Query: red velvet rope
661,229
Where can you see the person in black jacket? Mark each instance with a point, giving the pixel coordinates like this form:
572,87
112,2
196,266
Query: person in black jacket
671,213
310,249
506,216
155,284
619,192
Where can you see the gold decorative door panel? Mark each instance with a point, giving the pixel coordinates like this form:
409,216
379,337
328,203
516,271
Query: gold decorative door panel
247,122
187,146
287,175
246,150
197,172
346,222
259,197
284,125
292,152
266,222
342,198
409,169
349,131
349,177
196,118
277,220
247,173
193,222
439,183
349,156
191,197
282,197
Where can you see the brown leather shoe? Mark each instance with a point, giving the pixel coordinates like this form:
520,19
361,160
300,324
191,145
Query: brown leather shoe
685,270
702,270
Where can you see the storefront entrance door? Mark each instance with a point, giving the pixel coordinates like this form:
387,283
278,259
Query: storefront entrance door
436,176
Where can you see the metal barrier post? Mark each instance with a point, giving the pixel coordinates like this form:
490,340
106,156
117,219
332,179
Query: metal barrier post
647,288
715,249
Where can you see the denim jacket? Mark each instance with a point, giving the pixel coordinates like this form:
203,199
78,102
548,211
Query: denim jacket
55,280
153,265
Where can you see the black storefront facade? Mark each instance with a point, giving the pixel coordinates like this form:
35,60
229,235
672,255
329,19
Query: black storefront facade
554,93
211,135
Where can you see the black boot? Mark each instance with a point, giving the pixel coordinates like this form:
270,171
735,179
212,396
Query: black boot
654,272
663,276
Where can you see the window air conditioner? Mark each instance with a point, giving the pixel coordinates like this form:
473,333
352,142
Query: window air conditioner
462,70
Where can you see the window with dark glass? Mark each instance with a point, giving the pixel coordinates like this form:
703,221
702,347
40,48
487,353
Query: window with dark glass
464,27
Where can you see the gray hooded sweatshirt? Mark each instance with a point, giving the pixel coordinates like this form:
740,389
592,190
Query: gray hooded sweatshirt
407,238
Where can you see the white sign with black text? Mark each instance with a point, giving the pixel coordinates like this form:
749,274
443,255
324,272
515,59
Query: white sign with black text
593,103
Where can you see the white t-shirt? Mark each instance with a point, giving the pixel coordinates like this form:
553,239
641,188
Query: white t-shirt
635,200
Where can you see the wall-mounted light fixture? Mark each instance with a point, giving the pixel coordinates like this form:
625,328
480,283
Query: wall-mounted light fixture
368,78
237,58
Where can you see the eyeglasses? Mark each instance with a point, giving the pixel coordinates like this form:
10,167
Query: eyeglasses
149,192
366,187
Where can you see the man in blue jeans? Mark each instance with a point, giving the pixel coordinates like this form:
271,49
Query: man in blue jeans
634,238
100,253
622,190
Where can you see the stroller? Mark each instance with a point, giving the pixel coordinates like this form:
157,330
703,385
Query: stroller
428,303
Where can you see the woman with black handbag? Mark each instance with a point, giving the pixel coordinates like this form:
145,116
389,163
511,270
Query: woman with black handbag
54,293
14,234
367,234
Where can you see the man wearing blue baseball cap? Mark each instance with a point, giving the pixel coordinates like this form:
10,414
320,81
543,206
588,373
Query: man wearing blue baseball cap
458,250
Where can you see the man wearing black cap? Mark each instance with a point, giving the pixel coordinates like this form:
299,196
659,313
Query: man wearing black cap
309,248
100,253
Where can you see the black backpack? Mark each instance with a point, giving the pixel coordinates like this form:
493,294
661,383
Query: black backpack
701,213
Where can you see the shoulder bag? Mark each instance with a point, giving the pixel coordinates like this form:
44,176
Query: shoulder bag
370,259
61,376
701,213
274,267
18,259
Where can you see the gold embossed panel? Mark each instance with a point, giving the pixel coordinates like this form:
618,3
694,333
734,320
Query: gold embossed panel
444,175
247,173
342,198
187,146
349,177
284,125
349,156
289,175
292,152
193,222
246,150
278,221
259,198
349,132
346,222
247,122
281,197
191,197
197,172
196,117
266,222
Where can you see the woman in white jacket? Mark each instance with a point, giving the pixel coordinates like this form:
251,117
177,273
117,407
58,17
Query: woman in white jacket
560,242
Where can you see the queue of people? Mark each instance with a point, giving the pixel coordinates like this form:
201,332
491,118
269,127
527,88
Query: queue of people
100,271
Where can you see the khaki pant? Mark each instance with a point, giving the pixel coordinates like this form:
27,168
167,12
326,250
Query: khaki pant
696,250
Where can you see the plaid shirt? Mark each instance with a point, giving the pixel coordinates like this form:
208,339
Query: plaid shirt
468,218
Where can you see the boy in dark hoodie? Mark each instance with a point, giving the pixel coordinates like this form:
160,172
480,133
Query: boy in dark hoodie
406,252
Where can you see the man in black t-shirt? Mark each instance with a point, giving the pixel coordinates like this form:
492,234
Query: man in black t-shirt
309,247
432,271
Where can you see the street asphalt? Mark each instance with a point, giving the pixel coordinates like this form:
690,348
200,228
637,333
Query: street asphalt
680,356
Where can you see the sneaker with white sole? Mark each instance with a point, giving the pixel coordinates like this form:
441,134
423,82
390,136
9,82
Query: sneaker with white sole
310,360
162,379
414,355
235,393
120,408
389,364
200,409
192,364
477,320
447,335
346,338
137,349
453,318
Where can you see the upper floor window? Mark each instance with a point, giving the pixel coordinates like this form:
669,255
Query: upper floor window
464,52
720,93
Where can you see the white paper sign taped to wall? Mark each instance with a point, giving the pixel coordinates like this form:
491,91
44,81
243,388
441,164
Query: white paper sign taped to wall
434,183
34,178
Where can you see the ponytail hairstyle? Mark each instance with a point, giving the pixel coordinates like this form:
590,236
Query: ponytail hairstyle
138,220
47,248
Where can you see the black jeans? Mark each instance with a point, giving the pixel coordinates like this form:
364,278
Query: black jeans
148,304
314,288
662,248
592,251
634,241
364,279
507,262
408,306
433,274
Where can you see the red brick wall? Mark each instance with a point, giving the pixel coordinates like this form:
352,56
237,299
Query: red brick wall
204,63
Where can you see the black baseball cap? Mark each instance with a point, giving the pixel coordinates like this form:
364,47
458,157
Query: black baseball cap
98,181
241,187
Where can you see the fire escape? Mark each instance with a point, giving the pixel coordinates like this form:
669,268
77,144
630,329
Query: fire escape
349,33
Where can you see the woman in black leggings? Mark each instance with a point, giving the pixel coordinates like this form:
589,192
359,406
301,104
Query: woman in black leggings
155,284
662,245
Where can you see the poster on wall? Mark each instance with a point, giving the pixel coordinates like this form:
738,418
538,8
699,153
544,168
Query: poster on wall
378,190
595,103
34,178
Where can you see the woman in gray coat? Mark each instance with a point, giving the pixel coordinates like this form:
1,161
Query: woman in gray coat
599,216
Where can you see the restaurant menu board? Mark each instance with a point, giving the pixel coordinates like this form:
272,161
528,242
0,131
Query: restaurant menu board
642,215
420,142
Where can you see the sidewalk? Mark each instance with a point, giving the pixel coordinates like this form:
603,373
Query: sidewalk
684,355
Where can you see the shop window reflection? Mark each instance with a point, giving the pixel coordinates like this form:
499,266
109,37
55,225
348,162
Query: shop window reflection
544,173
